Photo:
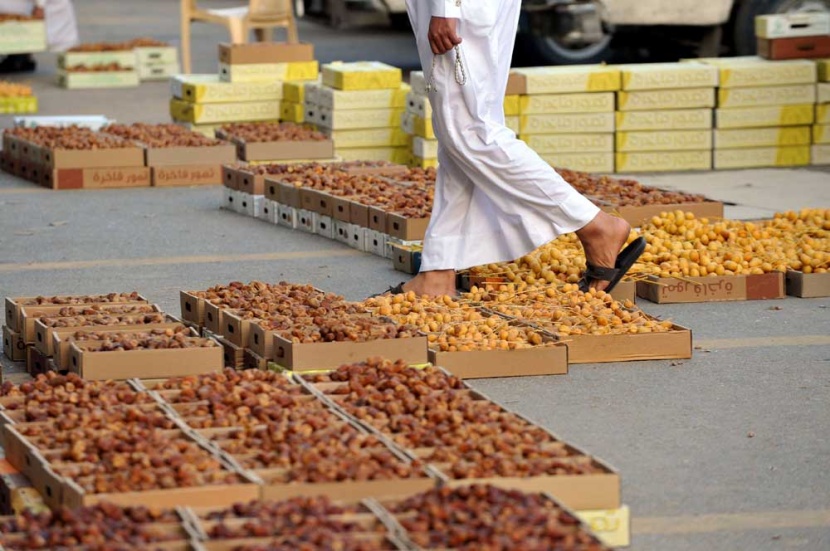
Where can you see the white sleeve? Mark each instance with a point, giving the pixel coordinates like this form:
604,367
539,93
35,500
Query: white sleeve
445,8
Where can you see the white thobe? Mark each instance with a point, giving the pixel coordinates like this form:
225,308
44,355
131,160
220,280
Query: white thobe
495,198
59,15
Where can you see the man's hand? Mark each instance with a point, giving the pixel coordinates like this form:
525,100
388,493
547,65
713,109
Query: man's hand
442,37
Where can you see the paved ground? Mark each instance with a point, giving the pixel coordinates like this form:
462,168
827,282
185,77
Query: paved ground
680,434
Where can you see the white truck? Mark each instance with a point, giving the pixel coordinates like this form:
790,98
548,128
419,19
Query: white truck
580,31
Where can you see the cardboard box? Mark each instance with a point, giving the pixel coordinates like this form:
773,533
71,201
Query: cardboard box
209,89
588,162
756,157
269,72
295,91
125,58
823,93
404,259
105,79
28,315
19,308
224,112
158,72
769,95
667,76
287,217
762,137
675,344
516,84
672,119
92,158
636,216
22,37
426,149
794,48
330,98
186,175
284,150
368,137
512,105
14,347
739,72
566,79
232,355
664,161
97,178
566,103
787,25
15,106
821,134
712,289
10,482
156,55
407,229
250,360
316,201
767,116
820,155
358,118
804,285
87,361
166,156
265,52
588,123
37,363
649,100
192,307
671,140
292,112
823,67
330,355
397,155
420,162
611,526
361,75
487,364
418,126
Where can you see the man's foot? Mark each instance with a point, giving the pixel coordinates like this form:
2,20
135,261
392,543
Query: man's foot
602,238
433,283
17,63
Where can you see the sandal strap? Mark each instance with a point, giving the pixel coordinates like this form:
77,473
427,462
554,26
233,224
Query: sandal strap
601,273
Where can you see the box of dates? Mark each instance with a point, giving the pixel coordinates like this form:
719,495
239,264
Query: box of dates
96,178
327,355
277,141
267,52
20,34
21,312
712,289
14,347
172,145
144,355
812,285
193,307
186,175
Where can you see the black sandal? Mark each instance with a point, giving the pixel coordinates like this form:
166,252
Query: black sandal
396,290
625,260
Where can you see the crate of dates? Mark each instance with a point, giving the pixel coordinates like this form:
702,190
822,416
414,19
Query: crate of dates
515,520
21,34
74,458
464,435
317,522
145,355
263,141
172,149
99,526
291,442
120,53
473,344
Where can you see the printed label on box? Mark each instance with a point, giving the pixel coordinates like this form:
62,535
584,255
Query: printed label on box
567,123
570,143
187,175
673,140
670,119
667,76
566,103
664,161
687,98
757,157
762,137
769,95
760,117
565,79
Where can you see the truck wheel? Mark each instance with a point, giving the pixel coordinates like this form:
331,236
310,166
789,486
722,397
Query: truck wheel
745,42
550,52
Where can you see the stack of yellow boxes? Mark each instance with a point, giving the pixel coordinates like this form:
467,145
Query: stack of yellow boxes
821,129
359,105
295,99
664,117
416,123
765,109
248,87
567,114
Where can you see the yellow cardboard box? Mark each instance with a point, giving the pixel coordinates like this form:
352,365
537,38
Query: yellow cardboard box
269,72
613,527
667,76
203,113
511,105
649,100
757,157
296,90
584,123
361,75
667,119
209,89
753,71
544,104
768,95
823,66
425,149
760,117
762,137
820,155
513,123
352,119
398,155
369,137
658,140
417,126
586,162
291,111
821,134
18,105
664,161
823,92
823,114
420,162
570,78
549,144
361,99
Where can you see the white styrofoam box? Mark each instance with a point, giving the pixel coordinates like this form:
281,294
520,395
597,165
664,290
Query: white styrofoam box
418,104
264,209
241,202
305,220
340,231
274,213
287,216
228,198
358,237
252,204
376,242
425,149
323,225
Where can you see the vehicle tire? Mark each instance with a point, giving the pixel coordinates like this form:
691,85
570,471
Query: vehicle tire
745,42
547,51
